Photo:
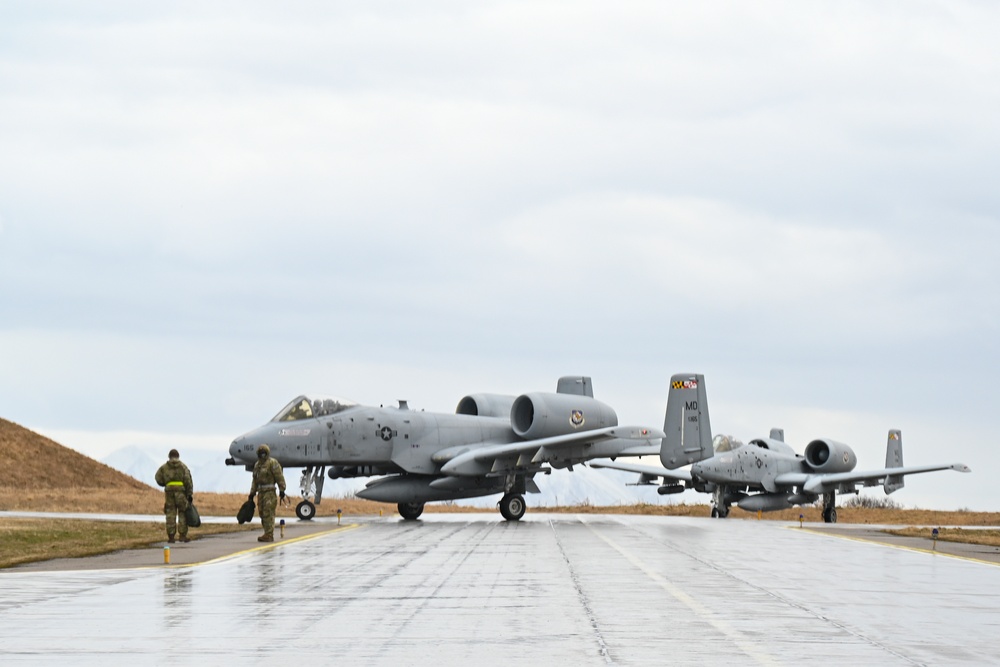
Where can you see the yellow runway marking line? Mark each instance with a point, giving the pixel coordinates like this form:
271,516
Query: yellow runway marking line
700,610
879,543
262,547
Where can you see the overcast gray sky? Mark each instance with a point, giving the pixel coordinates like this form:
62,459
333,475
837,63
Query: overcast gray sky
207,209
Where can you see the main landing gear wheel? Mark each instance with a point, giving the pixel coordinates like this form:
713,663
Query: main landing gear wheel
720,514
830,515
410,511
512,506
305,510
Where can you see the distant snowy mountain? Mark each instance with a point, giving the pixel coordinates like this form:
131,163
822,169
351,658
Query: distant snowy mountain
208,469
135,462
210,473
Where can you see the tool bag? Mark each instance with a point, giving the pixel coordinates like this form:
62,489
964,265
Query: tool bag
191,516
245,515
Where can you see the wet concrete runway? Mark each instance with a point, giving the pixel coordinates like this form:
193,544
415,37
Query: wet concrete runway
552,589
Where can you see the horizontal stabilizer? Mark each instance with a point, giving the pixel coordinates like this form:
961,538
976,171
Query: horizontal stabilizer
649,472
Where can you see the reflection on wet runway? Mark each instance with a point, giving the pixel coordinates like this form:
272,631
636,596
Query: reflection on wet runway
473,589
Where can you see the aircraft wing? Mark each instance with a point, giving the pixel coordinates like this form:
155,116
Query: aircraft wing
821,483
502,457
647,472
641,450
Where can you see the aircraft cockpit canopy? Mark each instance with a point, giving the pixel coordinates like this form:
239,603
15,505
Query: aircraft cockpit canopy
306,407
725,443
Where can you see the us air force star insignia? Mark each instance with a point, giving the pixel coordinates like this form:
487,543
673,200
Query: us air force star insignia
385,433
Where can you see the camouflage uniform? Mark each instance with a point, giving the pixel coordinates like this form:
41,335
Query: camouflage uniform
175,478
267,473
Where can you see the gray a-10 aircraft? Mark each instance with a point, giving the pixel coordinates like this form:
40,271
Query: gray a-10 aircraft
493,444
764,474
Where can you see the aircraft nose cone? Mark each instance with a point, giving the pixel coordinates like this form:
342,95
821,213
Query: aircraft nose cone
240,451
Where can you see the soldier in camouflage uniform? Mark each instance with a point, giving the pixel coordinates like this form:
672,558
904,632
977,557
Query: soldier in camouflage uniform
175,478
267,473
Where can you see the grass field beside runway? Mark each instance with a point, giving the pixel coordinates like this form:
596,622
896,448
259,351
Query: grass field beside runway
31,540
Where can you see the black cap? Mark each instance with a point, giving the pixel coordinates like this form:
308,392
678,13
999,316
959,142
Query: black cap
174,454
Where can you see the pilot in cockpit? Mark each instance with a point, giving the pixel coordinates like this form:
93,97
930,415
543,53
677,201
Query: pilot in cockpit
725,443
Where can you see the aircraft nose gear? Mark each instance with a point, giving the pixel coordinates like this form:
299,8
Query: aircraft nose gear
410,511
311,485
305,510
512,506
720,508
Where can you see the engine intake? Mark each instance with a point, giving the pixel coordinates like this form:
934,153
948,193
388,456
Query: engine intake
830,456
485,405
541,415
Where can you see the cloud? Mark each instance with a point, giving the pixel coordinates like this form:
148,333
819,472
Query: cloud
421,201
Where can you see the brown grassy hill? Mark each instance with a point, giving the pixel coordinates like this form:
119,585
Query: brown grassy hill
44,476
36,462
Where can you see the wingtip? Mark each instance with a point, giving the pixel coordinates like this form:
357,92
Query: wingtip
961,467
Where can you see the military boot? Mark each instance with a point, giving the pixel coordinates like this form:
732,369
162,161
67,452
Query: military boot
266,538
170,538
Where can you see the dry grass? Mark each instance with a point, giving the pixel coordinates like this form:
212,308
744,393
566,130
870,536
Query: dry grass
989,538
150,501
905,517
30,540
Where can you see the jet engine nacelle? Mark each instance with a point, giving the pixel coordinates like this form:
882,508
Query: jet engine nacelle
540,415
485,405
830,456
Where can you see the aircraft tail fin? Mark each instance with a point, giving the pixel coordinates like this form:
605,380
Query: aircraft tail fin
894,459
688,431
575,384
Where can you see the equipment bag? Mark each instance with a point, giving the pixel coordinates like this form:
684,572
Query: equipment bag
245,515
192,516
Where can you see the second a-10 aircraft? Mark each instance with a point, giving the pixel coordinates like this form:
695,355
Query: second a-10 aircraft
765,474
494,444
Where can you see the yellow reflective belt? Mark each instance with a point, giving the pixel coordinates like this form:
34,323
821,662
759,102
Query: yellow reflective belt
175,483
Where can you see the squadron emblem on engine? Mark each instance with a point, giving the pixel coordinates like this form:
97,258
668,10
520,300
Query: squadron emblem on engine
576,418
